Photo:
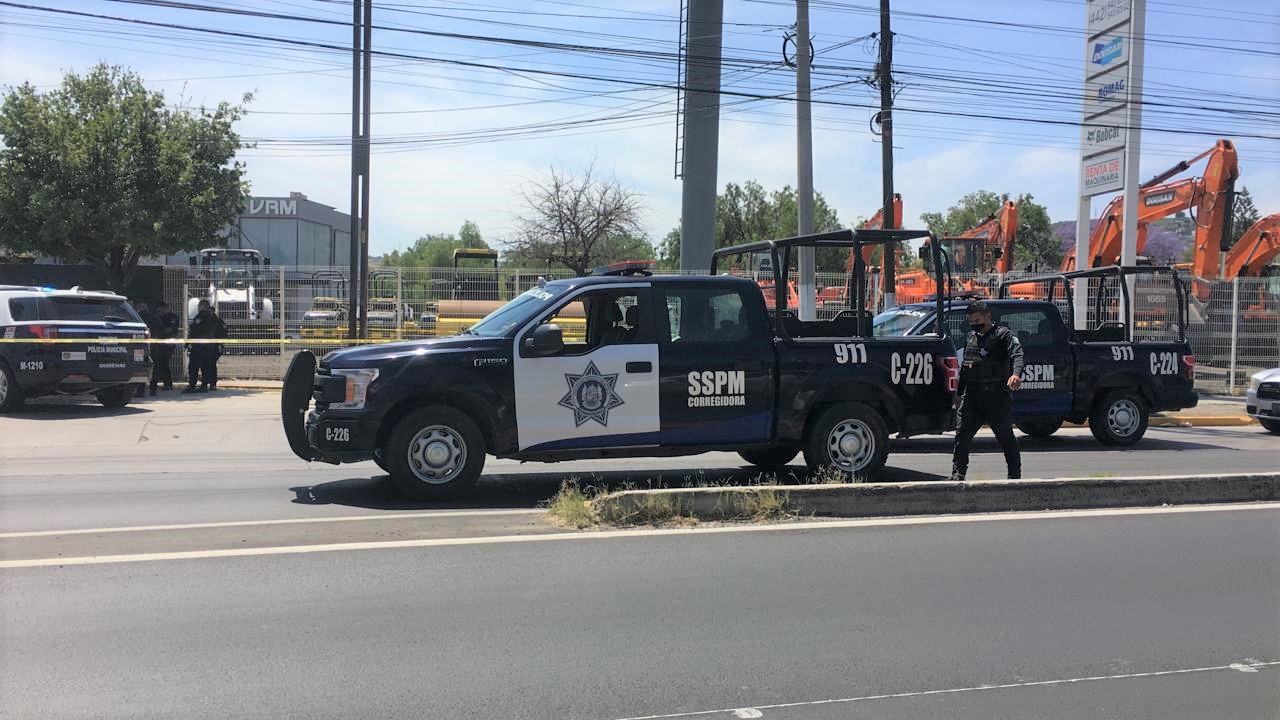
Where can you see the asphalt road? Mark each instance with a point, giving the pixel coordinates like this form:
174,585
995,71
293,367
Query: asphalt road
218,459
1159,613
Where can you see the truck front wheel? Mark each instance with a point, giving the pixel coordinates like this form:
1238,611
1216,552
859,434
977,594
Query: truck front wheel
1271,426
434,453
851,437
770,458
116,397
1120,418
10,393
1040,428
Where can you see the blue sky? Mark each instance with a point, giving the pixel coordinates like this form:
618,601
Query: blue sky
453,139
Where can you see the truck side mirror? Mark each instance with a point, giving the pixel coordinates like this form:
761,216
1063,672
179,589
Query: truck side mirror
924,252
545,340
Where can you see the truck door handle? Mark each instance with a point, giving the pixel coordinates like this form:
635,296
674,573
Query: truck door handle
643,366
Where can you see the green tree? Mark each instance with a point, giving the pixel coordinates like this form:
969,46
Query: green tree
1243,214
436,249
100,171
1035,242
747,213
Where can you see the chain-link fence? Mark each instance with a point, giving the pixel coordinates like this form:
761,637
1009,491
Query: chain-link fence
1234,326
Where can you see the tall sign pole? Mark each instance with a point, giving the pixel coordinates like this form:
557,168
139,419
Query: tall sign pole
701,134
886,152
1111,117
804,163
361,80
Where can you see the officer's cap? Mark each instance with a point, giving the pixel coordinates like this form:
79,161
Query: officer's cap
979,306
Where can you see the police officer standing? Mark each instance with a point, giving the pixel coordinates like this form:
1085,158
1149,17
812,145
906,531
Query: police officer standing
163,324
203,363
990,372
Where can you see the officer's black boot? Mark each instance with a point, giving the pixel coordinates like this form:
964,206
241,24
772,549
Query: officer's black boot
1015,473
958,473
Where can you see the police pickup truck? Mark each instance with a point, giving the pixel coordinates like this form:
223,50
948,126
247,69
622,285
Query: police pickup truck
1110,372
667,365
90,356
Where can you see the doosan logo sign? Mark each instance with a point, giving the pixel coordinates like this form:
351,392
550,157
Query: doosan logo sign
1159,198
1105,53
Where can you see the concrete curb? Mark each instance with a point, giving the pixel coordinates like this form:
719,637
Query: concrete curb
945,497
1190,421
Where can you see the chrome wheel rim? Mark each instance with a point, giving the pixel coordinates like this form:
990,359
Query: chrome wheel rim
4,386
851,445
437,454
1123,417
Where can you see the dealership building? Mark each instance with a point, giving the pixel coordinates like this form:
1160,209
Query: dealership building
290,231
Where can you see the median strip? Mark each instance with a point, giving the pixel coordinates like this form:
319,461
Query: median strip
661,506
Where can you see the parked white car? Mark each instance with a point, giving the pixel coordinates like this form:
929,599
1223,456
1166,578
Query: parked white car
1263,399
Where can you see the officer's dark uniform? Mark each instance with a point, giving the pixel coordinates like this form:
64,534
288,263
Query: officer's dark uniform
164,326
990,359
204,356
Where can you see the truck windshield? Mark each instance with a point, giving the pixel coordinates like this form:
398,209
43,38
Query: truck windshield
515,313
897,321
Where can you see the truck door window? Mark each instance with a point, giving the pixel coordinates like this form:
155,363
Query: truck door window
1033,326
705,315
602,317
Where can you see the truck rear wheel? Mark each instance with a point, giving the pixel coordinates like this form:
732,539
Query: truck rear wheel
851,437
434,453
770,458
1271,426
1040,428
116,397
1120,418
10,394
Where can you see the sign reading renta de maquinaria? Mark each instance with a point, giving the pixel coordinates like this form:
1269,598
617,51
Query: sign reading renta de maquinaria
1108,80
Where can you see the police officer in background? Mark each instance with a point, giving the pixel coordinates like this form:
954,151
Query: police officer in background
163,324
990,372
203,361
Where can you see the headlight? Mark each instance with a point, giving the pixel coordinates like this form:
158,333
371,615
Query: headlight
358,382
1255,381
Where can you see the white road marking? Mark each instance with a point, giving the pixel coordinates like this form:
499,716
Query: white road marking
637,532
747,713
976,688
289,521
1243,668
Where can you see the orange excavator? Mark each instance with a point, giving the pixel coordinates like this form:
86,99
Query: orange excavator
834,296
983,249
1210,194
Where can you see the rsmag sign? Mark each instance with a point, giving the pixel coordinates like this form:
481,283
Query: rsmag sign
1102,15
1106,92
1103,174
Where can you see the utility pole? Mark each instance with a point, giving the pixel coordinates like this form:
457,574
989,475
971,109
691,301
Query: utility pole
804,162
885,78
361,76
701,140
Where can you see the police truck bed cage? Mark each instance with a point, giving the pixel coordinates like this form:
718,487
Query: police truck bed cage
475,254
781,258
1119,272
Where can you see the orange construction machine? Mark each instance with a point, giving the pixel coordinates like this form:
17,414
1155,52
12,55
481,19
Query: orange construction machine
1210,195
983,249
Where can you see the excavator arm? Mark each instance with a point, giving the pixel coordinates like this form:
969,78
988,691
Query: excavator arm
876,222
999,230
1255,249
1211,194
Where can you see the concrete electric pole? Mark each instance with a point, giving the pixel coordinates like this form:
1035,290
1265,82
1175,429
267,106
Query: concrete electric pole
804,162
701,135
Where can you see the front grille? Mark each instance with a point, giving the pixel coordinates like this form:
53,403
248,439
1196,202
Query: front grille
1269,391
